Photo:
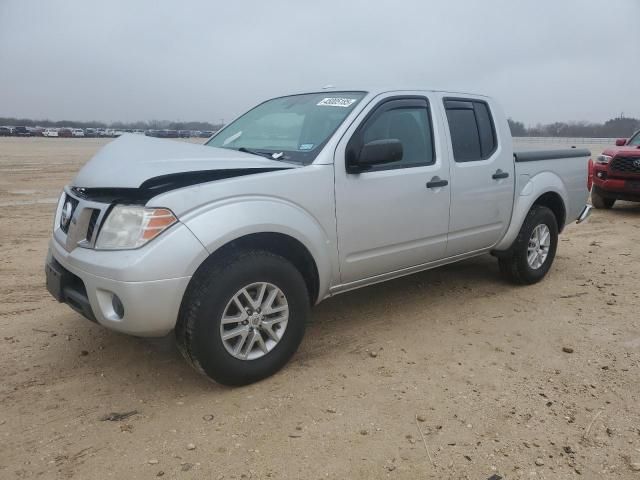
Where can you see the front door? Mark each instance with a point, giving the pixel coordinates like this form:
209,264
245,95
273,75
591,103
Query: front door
388,218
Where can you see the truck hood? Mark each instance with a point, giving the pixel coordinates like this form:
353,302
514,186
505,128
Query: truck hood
135,161
624,151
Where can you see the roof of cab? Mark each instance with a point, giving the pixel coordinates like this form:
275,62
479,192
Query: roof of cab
374,91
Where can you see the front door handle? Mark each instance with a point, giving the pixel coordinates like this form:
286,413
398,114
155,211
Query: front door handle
437,182
500,174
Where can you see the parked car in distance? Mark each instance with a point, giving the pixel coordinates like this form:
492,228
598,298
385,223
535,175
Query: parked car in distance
65,133
616,173
50,132
21,131
139,132
77,132
205,134
5,132
184,133
230,243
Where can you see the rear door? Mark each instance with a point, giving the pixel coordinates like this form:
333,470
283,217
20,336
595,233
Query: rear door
482,176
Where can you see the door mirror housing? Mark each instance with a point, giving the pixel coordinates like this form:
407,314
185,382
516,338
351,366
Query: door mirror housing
375,153
621,142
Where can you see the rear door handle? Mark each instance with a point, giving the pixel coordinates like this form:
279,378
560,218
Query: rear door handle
500,174
437,182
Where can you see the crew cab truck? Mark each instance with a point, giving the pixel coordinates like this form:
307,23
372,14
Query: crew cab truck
616,173
303,197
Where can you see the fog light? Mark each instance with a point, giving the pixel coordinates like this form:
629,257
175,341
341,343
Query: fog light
118,308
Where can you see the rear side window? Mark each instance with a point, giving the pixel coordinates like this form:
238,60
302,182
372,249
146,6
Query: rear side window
472,131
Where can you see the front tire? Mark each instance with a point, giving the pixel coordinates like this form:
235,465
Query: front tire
601,202
532,253
243,316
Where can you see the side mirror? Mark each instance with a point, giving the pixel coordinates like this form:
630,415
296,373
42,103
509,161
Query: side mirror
378,151
621,142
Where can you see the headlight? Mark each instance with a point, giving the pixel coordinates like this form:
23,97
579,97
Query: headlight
603,159
131,226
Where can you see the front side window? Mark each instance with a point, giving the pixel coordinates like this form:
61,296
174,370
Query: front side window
635,140
406,120
293,128
472,132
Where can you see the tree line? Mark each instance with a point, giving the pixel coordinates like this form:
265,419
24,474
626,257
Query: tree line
147,125
614,128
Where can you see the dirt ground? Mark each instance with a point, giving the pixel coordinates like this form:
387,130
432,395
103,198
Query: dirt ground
450,373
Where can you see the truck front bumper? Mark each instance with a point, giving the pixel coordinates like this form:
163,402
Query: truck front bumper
111,288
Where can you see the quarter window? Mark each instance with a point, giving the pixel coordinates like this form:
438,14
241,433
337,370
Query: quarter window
472,132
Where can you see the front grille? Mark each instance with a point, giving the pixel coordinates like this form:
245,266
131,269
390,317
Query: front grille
65,220
80,228
626,165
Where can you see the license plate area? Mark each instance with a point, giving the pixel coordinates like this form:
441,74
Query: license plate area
633,185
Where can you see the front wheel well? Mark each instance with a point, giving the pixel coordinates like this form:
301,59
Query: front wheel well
554,202
280,244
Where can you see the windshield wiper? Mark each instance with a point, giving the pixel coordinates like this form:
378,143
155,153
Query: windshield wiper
270,156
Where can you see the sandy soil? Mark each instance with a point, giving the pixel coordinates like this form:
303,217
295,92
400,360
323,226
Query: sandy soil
450,373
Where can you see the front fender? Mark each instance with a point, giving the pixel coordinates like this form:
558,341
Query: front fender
530,189
222,222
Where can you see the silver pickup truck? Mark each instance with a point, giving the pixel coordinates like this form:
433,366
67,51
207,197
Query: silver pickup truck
303,197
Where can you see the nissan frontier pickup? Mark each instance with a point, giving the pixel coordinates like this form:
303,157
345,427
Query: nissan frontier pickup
303,197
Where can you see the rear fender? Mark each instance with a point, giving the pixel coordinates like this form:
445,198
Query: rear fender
530,190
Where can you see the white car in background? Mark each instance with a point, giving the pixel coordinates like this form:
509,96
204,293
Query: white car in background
50,132
77,132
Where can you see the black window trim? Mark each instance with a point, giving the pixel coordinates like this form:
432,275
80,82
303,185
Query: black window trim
372,113
493,126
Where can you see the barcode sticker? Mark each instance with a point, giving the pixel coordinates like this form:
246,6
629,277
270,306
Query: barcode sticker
336,102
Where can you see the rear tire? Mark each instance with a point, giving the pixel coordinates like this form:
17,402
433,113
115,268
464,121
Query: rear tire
534,249
210,299
601,202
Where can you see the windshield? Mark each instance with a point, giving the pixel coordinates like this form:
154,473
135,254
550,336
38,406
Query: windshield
635,140
293,128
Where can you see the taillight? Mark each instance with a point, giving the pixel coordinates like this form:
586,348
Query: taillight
590,175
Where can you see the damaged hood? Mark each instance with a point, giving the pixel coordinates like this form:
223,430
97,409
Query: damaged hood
136,161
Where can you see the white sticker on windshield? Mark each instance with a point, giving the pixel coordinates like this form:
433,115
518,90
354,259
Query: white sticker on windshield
233,137
306,146
336,102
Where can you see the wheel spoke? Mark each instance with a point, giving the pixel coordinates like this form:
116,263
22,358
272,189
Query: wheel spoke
544,241
238,303
227,319
252,342
237,350
229,334
267,305
263,289
260,342
250,300
268,329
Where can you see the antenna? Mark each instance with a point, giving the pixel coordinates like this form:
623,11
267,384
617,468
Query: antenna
326,87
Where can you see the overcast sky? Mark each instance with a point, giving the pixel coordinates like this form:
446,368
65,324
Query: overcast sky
544,60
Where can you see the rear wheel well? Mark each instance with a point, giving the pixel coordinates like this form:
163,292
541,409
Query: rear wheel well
280,244
554,202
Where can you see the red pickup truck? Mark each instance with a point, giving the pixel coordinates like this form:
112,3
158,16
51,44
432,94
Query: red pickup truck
616,173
